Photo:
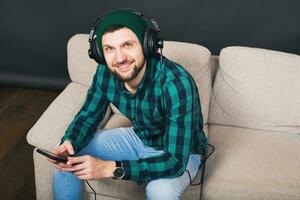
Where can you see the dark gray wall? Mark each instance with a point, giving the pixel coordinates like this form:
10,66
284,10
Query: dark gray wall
34,34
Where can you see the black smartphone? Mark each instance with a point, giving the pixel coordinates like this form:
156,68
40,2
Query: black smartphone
52,155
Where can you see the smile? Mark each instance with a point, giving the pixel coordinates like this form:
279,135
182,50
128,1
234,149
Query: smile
124,67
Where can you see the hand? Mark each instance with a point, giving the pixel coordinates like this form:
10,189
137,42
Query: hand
90,168
65,149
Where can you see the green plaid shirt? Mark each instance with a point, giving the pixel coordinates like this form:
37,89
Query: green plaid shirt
165,113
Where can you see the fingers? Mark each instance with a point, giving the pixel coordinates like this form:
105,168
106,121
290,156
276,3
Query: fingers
58,165
83,174
85,177
80,167
75,168
78,160
60,149
65,149
69,147
76,163
87,167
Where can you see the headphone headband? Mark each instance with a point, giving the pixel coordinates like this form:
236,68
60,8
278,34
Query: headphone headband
137,12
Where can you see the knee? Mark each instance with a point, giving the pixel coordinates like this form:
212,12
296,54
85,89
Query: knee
63,177
162,190
61,174
66,185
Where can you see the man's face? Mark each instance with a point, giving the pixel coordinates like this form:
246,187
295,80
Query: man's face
123,53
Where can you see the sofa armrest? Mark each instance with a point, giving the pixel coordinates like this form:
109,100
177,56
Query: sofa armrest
51,126
77,49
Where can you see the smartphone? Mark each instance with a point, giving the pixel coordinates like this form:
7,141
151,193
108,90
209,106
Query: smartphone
52,156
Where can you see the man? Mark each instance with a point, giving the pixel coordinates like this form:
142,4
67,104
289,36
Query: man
164,146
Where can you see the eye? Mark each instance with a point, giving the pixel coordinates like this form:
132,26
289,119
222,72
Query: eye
128,45
108,49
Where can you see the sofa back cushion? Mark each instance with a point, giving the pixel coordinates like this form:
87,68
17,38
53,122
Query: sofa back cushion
194,58
257,88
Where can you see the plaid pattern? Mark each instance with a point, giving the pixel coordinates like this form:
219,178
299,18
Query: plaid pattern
165,113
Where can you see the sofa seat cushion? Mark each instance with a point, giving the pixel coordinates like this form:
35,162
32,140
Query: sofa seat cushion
252,164
257,88
117,120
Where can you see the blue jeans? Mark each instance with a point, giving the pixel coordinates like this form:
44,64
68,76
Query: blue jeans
124,144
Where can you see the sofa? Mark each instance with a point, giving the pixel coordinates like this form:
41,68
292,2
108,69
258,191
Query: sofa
251,113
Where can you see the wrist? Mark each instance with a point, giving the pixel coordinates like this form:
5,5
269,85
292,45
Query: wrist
111,169
119,171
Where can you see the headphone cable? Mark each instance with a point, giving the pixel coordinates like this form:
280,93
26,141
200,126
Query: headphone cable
202,164
91,189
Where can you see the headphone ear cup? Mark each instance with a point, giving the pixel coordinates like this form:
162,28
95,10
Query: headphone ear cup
95,53
150,43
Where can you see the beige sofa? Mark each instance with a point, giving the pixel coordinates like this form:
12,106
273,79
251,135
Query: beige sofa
250,101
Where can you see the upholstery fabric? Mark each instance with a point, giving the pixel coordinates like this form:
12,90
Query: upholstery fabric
252,164
46,133
251,116
257,88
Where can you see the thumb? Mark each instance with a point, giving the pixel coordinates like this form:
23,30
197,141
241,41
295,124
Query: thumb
69,147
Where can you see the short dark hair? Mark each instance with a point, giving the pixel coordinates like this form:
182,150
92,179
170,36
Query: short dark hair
113,28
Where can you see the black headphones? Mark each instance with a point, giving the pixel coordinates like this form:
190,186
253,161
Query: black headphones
152,40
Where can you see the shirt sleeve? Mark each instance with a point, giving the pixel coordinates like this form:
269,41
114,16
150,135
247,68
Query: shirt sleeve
179,96
84,125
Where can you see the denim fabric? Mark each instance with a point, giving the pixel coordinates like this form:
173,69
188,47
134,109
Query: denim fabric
124,144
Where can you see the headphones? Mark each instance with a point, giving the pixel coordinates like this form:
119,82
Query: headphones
152,40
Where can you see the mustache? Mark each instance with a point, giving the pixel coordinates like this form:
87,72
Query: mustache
117,64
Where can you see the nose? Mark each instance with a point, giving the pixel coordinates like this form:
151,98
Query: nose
120,56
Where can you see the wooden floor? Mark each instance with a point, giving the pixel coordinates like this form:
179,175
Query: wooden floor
20,108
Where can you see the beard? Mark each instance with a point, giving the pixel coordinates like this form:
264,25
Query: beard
132,73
